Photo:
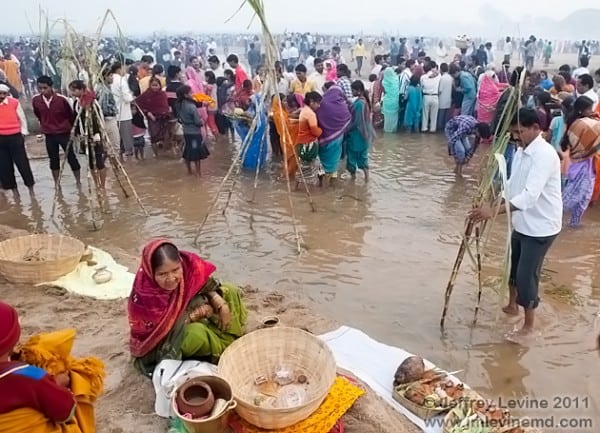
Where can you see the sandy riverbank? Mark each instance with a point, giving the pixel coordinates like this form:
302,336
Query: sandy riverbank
127,405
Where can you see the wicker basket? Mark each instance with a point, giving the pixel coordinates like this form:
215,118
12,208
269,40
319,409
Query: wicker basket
52,256
261,353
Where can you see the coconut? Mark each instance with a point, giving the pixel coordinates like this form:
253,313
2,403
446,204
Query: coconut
410,370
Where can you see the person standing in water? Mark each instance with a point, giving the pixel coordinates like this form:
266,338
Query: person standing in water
360,134
535,200
458,131
13,129
56,120
194,150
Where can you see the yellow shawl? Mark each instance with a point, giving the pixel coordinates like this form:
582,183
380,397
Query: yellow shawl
52,352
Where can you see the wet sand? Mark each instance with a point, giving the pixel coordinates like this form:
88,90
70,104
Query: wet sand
376,257
127,405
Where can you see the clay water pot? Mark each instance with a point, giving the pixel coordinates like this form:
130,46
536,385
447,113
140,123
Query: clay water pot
196,398
218,422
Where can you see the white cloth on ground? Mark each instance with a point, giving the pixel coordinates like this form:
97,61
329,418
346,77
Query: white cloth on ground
80,280
375,364
169,374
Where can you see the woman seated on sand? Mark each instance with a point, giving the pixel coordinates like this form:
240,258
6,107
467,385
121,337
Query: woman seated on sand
178,311
42,388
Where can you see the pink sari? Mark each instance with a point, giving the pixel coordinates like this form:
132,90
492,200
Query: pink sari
487,98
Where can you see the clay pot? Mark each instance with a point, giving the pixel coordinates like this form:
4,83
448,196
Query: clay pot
196,398
270,322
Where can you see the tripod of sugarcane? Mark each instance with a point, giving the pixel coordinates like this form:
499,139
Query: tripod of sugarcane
238,163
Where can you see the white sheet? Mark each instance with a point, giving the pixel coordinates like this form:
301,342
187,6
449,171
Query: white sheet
80,281
375,364
169,374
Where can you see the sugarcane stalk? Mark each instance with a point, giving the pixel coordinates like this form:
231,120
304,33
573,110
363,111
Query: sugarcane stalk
479,282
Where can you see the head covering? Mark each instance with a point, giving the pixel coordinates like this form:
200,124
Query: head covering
333,115
152,310
11,330
153,101
4,88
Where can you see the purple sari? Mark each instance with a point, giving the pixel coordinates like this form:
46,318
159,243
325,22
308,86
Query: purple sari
579,189
334,115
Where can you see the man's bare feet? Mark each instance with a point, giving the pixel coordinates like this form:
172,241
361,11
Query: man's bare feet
511,310
523,336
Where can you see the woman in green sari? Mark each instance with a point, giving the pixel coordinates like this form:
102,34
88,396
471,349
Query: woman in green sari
361,133
177,310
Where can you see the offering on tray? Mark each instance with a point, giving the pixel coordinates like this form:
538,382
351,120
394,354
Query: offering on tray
282,389
479,416
411,370
435,390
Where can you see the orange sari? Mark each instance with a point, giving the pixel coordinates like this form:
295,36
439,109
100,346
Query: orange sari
288,130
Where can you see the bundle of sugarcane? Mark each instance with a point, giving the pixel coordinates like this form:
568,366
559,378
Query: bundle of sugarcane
491,184
83,53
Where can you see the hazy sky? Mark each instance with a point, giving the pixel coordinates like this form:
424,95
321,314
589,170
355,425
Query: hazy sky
209,15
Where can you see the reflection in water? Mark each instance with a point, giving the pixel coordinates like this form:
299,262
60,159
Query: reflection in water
377,256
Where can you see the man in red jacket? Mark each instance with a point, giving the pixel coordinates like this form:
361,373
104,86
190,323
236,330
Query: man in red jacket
56,118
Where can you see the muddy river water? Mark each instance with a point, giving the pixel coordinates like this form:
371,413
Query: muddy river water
376,257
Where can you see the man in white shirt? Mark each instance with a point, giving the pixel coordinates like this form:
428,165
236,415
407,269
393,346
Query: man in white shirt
584,63
215,66
123,98
535,200
489,52
318,76
430,84
310,61
285,55
585,87
445,99
294,55
508,49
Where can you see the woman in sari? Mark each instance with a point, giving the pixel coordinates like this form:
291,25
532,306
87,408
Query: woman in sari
376,95
195,79
390,107
43,389
361,133
177,310
285,118
155,106
580,143
487,98
334,118
254,150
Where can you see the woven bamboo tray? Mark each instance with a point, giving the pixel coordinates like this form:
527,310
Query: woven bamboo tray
261,353
39,258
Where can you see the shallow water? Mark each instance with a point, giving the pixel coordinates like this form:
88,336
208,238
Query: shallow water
376,257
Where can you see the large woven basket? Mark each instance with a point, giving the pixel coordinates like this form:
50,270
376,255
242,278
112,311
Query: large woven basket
50,257
262,352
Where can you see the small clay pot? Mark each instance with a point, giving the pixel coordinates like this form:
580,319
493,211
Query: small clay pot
270,322
102,275
196,398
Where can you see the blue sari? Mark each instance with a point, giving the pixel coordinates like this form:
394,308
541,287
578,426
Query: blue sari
414,108
359,137
254,152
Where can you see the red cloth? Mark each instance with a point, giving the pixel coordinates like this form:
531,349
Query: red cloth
11,330
54,119
87,99
154,311
9,119
31,387
152,101
240,77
